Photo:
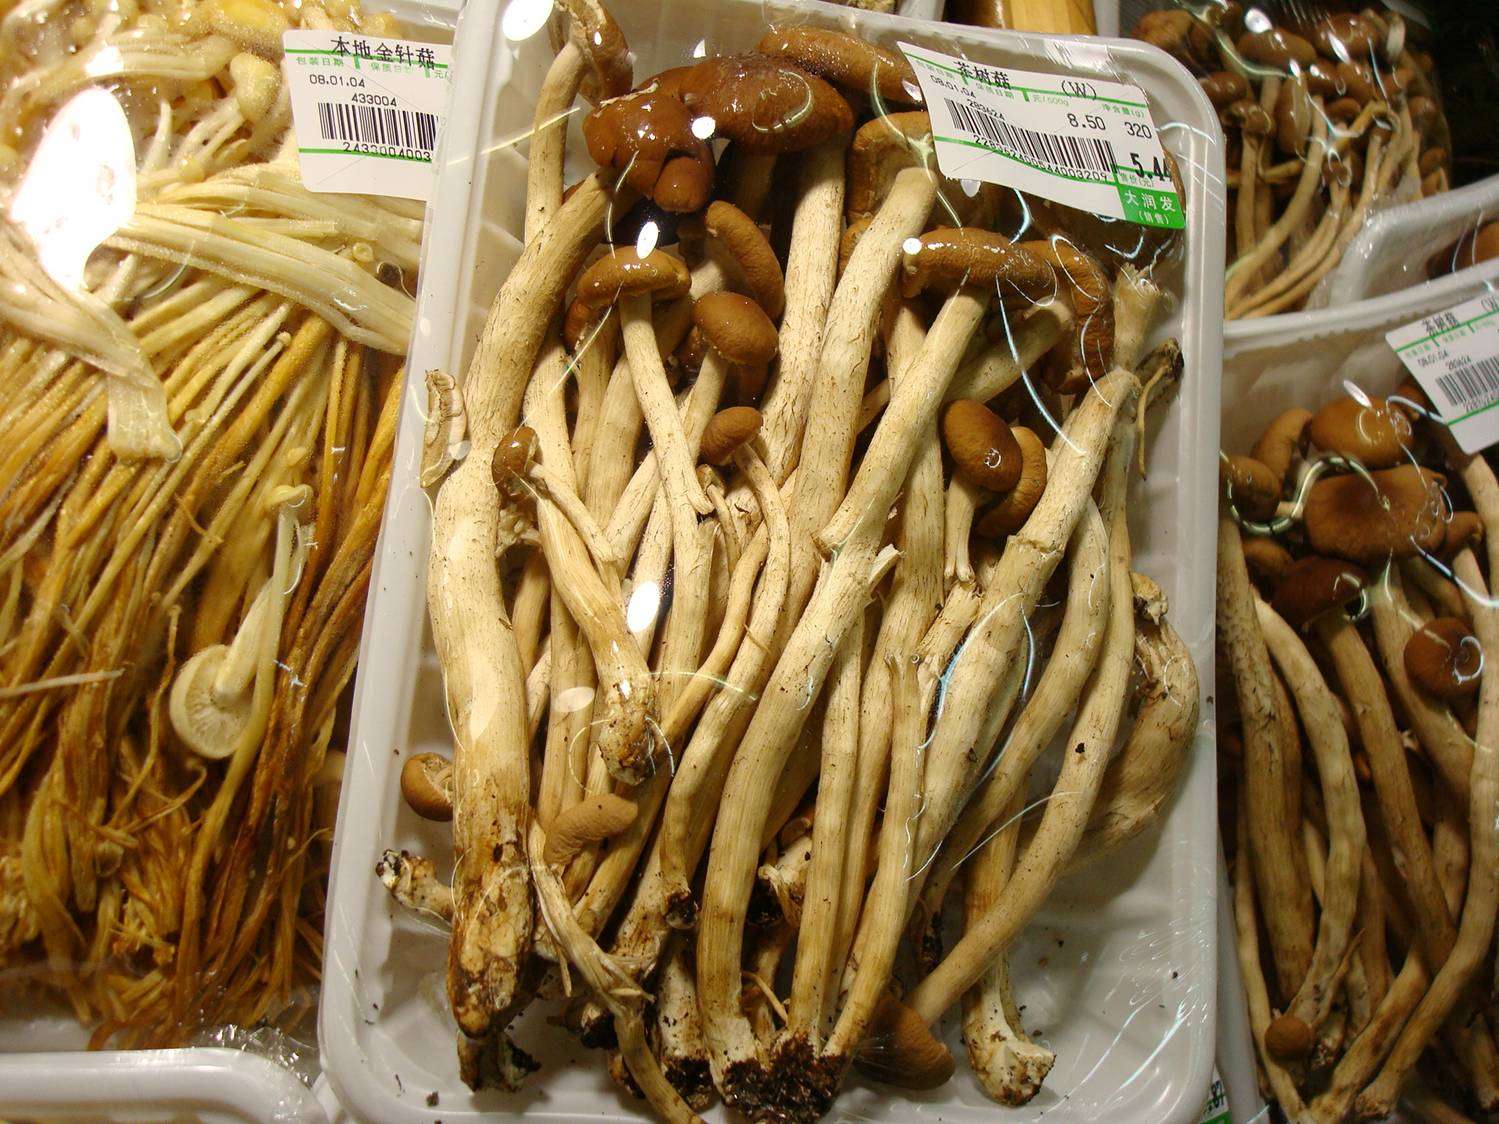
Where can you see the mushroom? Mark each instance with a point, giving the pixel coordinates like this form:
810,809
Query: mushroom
764,106
1092,347
1224,87
1250,488
742,252
427,785
1445,658
633,282
1282,443
1367,518
983,447
591,820
650,137
854,64
1015,506
901,1050
1276,48
1374,432
220,698
740,340
412,880
1266,558
880,149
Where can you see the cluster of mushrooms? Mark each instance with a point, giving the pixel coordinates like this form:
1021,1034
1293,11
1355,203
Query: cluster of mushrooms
1327,118
764,568
1359,738
198,440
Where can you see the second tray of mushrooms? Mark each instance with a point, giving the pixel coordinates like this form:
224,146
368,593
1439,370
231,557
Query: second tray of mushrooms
775,564
1356,553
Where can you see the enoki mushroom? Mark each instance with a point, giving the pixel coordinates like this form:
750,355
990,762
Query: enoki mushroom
785,651
198,448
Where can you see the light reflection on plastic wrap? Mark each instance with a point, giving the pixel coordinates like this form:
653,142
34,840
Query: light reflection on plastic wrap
80,185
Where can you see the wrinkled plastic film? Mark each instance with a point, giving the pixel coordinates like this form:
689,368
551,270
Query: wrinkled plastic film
202,363
712,607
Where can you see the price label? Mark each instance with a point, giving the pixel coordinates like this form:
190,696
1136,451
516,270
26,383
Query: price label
367,111
1454,355
1083,142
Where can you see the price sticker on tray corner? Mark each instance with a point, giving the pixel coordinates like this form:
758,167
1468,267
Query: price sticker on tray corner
1454,355
1082,142
367,111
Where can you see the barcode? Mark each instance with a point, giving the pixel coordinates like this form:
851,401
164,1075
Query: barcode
378,125
1466,384
1084,156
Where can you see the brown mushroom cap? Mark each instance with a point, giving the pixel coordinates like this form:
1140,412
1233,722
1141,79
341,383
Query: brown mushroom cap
1367,518
1250,488
1315,585
982,445
623,272
1346,35
1249,117
854,64
1276,47
1374,433
685,184
592,30
512,457
901,1050
1288,1037
1464,529
1015,507
978,259
752,253
1282,442
590,820
764,104
1293,117
727,431
1224,87
427,785
1357,80
736,327
1434,159
880,149
1266,558
1444,658
1322,79
643,133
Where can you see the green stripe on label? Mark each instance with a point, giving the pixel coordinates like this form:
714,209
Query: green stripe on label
1024,89
1448,331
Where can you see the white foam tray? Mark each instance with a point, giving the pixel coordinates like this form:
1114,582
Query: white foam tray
1306,359
1118,974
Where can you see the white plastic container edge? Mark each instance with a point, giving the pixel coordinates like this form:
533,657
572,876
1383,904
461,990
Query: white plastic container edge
1391,252
212,1085
1128,997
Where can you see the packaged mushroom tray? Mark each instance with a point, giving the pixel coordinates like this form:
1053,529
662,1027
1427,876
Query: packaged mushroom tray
1357,719
807,718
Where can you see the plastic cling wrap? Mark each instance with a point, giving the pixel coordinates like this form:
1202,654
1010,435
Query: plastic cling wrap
1330,113
1358,777
201,384
785,537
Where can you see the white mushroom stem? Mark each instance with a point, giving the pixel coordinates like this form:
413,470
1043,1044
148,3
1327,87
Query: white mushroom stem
607,979
1345,821
484,677
1363,687
643,494
915,591
1144,773
412,880
572,690
592,366
1029,558
1284,897
1061,683
679,1028
1247,941
1441,734
682,639
963,498
1008,1065
811,272
548,139
1067,811
814,982
659,407
1481,905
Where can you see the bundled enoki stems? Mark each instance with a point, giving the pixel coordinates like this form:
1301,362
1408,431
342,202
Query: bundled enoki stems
199,443
1356,558
1327,119
732,712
